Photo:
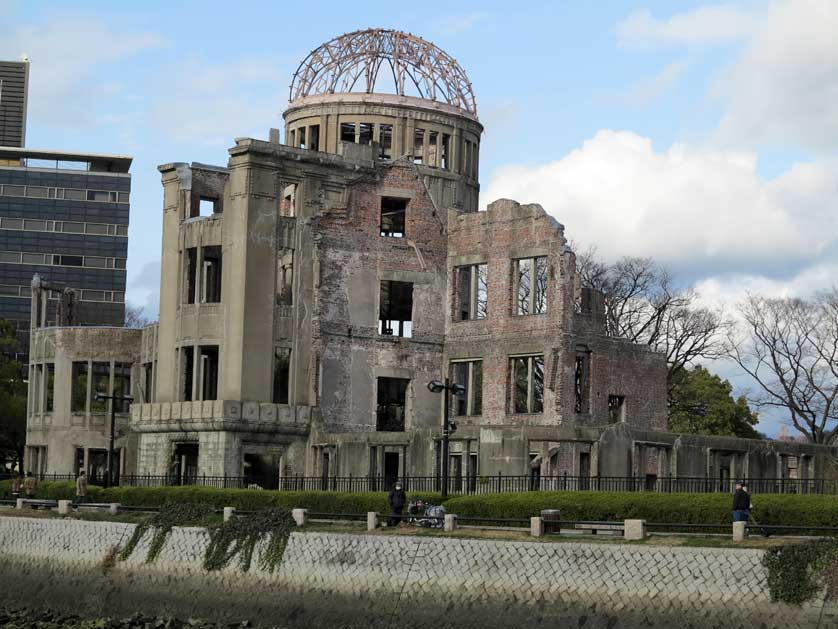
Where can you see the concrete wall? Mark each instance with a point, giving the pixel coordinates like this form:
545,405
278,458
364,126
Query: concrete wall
372,580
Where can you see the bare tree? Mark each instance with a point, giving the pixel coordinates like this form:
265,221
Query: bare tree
643,305
790,348
134,317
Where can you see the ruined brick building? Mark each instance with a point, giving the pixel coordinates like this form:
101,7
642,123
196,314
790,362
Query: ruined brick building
311,289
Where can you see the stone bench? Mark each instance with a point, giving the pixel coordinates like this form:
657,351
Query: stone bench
34,503
595,528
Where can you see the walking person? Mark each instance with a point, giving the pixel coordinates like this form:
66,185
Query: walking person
29,485
15,485
81,487
741,503
397,500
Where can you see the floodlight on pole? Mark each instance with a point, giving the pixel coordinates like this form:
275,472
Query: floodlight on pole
448,427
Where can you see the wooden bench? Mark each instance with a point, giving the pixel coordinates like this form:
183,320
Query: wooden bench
595,528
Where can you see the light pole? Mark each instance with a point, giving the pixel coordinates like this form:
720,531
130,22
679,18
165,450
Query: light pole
101,397
435,386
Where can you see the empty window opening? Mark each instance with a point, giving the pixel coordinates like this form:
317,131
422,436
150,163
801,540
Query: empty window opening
291,137
314,137
187,364
396,309
282,372
581,382
347,132
433,152
365,133
392,396
185,463
418,146
385,141
616,408
121,386
531,285
287,203
285,279
207,206
393,213
148,371
209,372
189,270
49,387
211,284
472,292
101,384
301,138
78,403
527,384
470,375
445,151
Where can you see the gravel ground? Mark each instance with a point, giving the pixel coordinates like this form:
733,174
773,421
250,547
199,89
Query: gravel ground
41,619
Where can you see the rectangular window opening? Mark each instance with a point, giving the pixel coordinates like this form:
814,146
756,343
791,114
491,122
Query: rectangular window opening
530,280
418,146
285,279
347,132
207,206
209,372
392,396
385,141
433,151
616,409
468,373
314,137
189,270
301,138
148,373
101,384
472,292
282,372
393,214
79,393
527,378
396,309
122,386
187,364
365,133
581,382
211,284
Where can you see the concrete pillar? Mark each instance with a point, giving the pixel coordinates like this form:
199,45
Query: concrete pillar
229,512
113,508
372,520
740,531
64,507
634,529
300,516
536,527
19,503
450,522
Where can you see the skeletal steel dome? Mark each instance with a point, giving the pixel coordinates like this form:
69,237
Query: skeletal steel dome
353,62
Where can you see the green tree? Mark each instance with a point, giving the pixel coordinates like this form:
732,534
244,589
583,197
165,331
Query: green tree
12,399
702,404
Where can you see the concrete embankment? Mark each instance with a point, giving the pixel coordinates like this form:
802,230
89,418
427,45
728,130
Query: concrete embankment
342,580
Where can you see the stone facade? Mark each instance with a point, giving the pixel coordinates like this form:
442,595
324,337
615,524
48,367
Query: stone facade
340,580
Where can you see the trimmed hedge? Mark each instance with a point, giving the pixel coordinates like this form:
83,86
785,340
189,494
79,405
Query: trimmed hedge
811,510
242,499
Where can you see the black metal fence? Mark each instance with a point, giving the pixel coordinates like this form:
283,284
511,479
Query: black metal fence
478,484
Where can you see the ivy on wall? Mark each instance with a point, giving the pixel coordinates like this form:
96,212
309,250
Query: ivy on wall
798,572
236,537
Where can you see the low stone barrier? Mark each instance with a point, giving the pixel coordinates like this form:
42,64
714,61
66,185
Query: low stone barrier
345,580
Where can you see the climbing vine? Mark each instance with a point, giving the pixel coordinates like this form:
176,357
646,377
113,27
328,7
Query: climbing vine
239,536
162,522
797,572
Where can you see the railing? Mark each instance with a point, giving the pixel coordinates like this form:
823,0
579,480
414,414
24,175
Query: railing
475,484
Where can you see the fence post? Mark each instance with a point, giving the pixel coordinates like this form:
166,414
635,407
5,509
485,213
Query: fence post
450,522
229,512
740,531
372,520
634,529
64,507
300,516
536,527
113,508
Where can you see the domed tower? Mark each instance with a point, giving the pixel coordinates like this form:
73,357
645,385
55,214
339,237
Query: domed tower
396,91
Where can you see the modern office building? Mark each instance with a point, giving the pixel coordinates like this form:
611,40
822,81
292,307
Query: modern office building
14,84
64,217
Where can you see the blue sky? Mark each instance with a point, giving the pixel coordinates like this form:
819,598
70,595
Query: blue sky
701,134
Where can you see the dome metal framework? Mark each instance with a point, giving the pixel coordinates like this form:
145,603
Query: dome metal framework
357,58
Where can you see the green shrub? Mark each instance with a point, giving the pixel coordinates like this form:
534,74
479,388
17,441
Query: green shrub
652,507
797,572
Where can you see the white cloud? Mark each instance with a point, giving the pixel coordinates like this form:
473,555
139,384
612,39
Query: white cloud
712,24
212,104
688,207
783,86
67,54
650,89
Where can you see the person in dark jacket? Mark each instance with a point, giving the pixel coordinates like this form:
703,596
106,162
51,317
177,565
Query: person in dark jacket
741,503
397,500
